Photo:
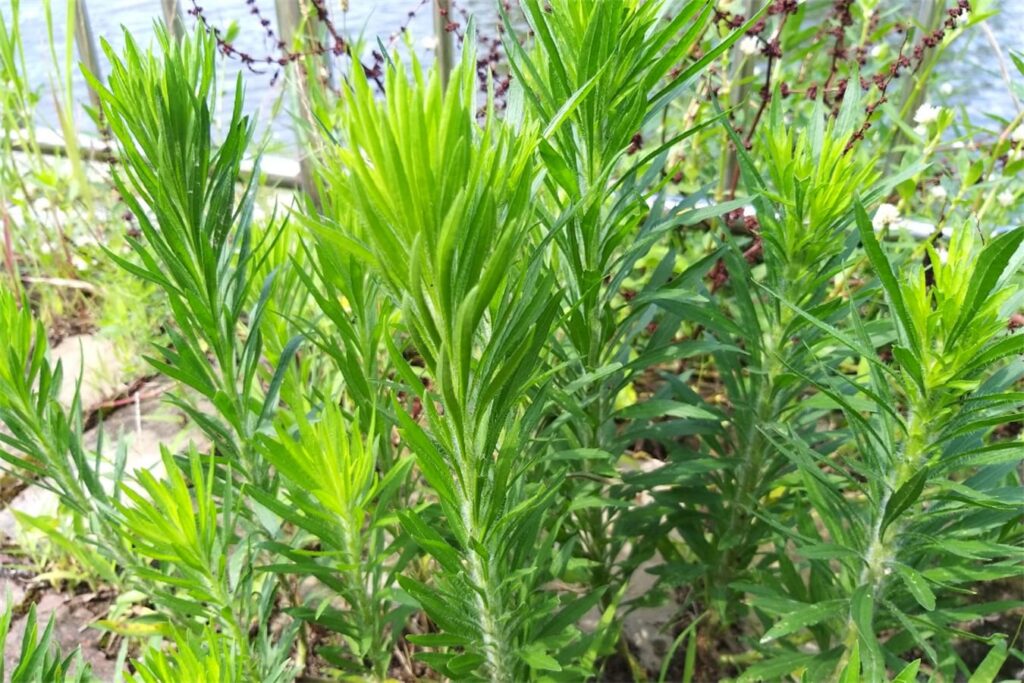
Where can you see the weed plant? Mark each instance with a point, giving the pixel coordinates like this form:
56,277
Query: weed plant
460,399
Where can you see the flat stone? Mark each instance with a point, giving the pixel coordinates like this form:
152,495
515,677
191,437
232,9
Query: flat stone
93,358
33,501
144,426
648,628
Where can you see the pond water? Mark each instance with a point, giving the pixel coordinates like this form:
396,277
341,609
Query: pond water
368,18
972,70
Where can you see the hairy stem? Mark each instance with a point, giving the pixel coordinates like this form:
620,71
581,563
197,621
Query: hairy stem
884,544
495,642
751,468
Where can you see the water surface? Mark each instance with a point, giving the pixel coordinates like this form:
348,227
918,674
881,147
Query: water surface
971,68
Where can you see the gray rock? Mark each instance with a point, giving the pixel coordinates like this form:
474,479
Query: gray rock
33,501
96,360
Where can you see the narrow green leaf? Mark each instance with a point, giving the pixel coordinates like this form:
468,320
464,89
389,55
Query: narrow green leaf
906,496
538,659
851,674
882,268
909,673
665,408
804,617
991,265
918,586
990,666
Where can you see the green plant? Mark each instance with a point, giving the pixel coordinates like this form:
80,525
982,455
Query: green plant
916,504
42,439
424,389
39,659
198,244
596,77
440,208
801,214
334,495
206,657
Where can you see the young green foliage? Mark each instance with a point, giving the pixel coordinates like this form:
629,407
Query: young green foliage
804,213
43,443
196,234
197,245
201,657
938,509
594,76
441,208
39,658
334,494
813,179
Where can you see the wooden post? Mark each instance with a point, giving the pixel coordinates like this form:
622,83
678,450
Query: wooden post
289,20
173,18
87,51
738,96
445,45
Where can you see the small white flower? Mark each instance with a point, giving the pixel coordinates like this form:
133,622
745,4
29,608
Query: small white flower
938,191
943,254
45,248
79,263
877,50
921,131
926,114
1018,134
749,211
429,43
946,89
965,18
959,144
886,215
749,45
1005,198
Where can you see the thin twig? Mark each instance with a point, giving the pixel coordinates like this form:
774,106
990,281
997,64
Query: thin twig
1001,60
9,252
66,283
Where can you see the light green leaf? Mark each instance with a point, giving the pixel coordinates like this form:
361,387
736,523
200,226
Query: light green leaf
906,496
990,666
665,408
804,617
918,586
